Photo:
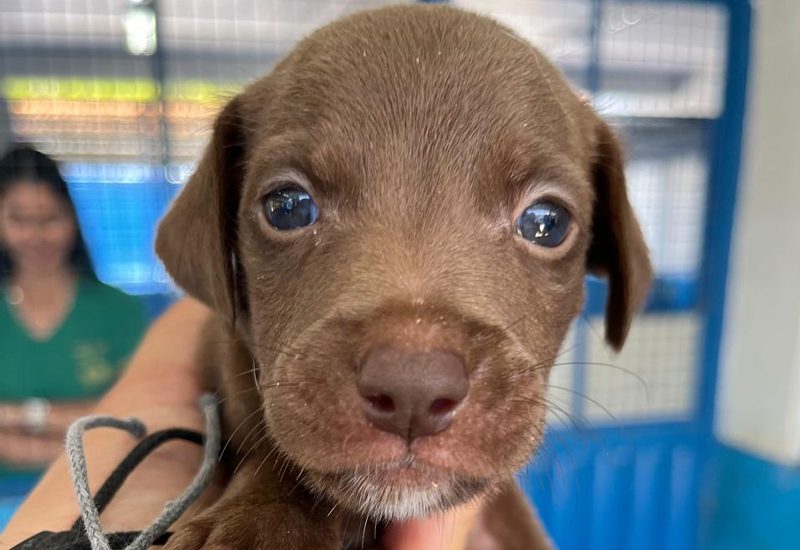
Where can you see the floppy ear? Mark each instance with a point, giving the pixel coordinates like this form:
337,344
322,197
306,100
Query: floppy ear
196,239
618,250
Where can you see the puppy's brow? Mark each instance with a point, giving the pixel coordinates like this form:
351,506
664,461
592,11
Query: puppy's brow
336,167
278,152
287,175
328,166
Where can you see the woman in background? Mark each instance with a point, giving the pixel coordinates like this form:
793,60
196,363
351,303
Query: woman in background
64,336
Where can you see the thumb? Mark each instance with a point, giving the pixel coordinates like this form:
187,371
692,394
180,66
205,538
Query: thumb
446,531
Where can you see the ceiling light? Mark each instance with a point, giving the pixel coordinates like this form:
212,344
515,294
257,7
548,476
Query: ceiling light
140,29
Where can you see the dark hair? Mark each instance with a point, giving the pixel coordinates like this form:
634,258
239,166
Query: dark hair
24,163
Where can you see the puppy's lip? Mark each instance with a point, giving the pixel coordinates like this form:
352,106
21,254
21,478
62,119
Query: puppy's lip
410,472
407,462
411,467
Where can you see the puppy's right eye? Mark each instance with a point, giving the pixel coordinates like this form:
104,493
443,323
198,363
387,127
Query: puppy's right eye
290,208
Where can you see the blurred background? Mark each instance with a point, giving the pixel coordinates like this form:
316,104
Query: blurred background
690,438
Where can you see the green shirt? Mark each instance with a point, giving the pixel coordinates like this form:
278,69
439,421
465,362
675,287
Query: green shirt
82,358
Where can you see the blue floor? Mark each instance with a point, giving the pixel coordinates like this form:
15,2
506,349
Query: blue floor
752,504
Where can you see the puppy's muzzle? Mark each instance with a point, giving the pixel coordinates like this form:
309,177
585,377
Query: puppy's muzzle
412,393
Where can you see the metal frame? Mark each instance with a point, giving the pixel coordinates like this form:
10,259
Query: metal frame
723,192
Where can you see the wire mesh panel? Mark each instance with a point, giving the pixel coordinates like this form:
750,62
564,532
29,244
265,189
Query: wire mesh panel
653,378
662,59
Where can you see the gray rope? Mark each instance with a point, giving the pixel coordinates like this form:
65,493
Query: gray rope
172,510
80,475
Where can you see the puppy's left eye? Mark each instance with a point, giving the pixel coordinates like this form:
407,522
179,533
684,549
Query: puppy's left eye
545,223
290,208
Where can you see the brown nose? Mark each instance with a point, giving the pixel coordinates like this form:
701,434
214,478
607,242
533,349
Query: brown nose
411,394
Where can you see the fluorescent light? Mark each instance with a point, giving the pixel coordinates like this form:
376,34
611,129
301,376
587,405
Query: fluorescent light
140,30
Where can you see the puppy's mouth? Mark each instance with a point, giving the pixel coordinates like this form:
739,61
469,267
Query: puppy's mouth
399,489
408,472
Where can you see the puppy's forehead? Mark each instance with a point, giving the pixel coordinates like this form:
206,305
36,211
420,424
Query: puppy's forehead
422,89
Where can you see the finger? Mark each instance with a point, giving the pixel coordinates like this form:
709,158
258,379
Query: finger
448,531
434,533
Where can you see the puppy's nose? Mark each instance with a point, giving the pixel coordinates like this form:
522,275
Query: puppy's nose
411,394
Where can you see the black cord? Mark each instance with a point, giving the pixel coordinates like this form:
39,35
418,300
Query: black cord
130,462
75,538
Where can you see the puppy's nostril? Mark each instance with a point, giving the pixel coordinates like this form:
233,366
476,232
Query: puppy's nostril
442,406
382,403
411,393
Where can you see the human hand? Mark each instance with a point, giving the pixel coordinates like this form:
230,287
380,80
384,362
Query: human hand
447,531
36,447
21,449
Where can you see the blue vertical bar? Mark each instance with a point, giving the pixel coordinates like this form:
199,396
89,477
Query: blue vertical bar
647,527
683,499
721,202
720,209
611,498
571,482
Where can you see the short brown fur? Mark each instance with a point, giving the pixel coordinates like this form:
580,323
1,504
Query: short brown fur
422,131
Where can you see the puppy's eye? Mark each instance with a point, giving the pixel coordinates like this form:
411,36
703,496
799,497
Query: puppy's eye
290,208
545,223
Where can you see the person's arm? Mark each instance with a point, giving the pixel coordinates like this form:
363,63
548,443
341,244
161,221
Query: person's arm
160,387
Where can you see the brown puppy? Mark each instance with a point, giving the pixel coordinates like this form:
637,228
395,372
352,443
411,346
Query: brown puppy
394,227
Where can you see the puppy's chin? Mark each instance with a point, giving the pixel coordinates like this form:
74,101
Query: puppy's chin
397,491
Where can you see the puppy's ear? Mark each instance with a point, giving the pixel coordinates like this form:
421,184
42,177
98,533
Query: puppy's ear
196,239
617,250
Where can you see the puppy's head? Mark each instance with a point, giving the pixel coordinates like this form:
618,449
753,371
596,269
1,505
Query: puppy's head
399,219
